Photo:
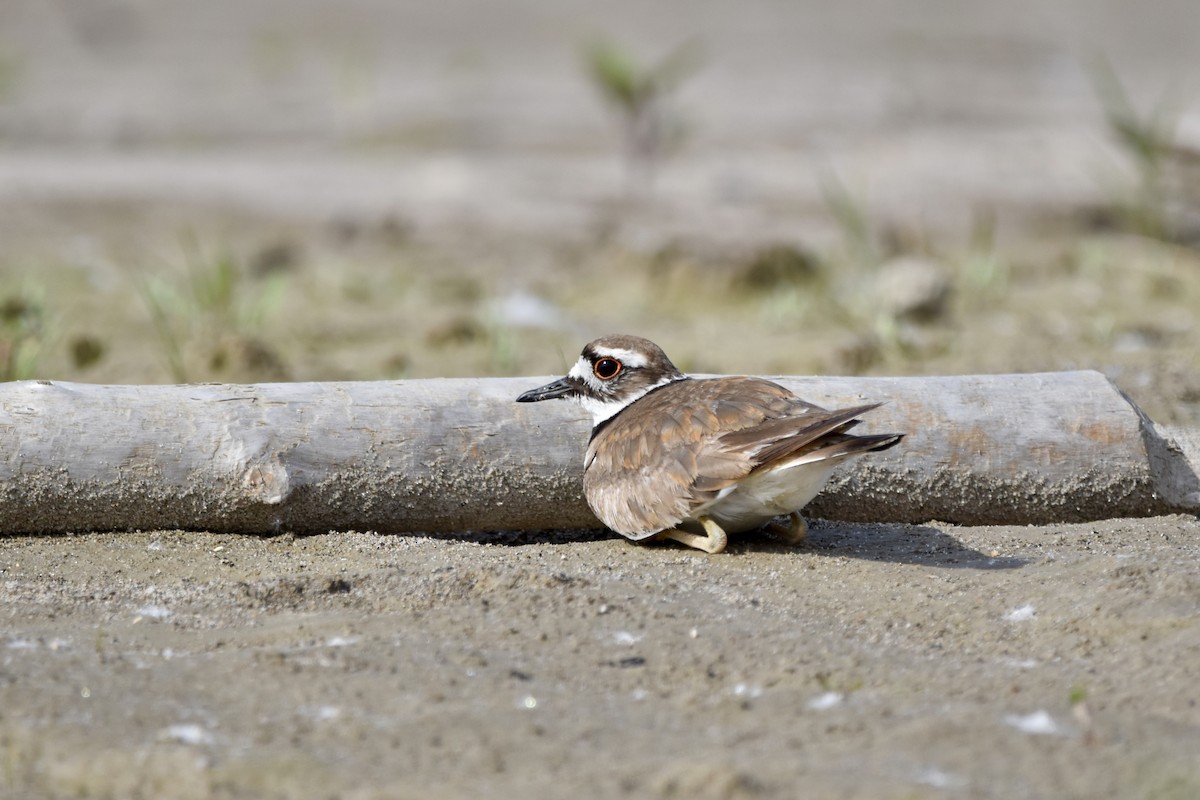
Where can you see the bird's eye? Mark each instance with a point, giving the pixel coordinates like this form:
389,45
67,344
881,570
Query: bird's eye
606,368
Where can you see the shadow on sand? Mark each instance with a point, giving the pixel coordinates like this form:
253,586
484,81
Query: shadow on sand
893,542
901,543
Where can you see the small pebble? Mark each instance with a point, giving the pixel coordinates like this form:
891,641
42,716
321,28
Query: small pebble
826,700
1038,723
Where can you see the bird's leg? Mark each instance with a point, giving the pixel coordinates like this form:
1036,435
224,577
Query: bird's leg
714,542
794,533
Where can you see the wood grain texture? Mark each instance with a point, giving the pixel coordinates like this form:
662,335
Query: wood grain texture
458,455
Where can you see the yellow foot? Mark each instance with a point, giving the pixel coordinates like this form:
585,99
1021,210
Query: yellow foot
714,542
794,533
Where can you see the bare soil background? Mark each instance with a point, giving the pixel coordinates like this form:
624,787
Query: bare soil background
305,190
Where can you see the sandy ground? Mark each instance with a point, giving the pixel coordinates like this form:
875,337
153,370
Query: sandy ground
410,191
877,661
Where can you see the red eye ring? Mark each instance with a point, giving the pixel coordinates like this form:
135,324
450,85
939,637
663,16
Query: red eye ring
607,368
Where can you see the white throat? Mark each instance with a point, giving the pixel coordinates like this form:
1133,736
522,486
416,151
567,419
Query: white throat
603,407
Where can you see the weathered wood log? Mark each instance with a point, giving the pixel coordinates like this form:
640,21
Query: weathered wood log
445,455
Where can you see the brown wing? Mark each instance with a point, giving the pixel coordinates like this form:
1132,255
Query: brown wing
785,438
678,446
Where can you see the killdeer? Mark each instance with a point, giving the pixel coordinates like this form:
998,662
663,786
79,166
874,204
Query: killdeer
691,459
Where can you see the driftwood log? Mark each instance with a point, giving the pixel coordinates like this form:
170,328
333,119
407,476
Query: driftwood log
446,455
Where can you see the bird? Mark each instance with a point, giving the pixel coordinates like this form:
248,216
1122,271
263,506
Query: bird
695,459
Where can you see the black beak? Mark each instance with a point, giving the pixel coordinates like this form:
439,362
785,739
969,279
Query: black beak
558,388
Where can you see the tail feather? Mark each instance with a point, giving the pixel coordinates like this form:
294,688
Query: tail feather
881,441
837,446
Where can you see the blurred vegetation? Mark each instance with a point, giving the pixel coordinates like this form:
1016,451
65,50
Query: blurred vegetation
849,211
775,267
23,333
641,98
985,269
371,308
1164,202
208,317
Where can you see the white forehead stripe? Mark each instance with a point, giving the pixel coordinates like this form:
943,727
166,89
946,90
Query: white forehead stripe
630,358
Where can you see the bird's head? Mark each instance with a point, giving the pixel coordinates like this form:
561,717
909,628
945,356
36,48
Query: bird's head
611,373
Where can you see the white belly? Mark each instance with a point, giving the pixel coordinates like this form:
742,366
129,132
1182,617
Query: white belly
766,495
